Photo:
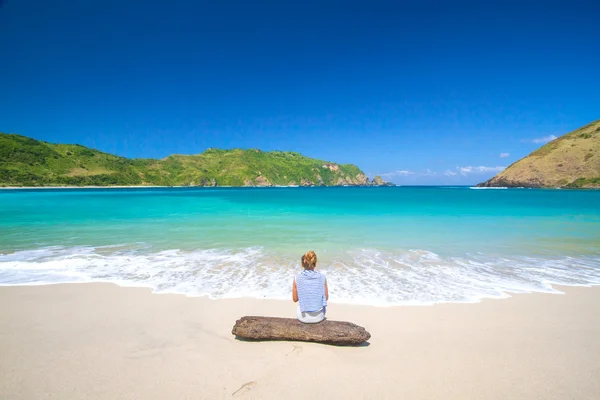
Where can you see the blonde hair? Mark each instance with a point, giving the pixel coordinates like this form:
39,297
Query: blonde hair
309,260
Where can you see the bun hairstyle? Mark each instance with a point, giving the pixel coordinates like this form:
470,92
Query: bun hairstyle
309,260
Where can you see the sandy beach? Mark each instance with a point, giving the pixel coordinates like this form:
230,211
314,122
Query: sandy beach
101,341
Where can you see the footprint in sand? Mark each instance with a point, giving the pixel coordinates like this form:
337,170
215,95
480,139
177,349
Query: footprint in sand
297,349
244,388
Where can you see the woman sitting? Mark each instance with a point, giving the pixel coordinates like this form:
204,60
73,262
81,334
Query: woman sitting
310,290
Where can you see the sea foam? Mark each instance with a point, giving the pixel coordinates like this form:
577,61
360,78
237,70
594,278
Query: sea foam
361,276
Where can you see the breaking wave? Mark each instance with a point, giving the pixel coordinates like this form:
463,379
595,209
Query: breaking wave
365,276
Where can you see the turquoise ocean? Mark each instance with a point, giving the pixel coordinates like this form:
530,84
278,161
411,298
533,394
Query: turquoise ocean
377,246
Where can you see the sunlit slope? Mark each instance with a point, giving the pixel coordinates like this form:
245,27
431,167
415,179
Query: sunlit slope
572,160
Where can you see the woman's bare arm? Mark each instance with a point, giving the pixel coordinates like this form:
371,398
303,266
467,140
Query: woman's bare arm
295,292
326,290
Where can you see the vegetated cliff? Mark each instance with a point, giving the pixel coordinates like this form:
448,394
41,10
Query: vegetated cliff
28,162
572,160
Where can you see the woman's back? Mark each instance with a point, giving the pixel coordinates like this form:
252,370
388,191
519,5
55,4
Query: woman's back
311,290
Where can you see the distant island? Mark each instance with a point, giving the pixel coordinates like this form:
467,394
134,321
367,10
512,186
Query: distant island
28,162
570,161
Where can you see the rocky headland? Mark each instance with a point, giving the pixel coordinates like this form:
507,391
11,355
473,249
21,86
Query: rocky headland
28,162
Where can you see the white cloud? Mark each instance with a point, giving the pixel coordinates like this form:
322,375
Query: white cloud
397,173
504,155
464,171
544,139
478,170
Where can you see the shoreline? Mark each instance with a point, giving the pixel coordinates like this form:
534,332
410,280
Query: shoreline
557,289
89,187
289,186
103,341
189,187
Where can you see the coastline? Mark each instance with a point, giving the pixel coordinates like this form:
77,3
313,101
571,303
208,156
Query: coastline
288,186
189,187
89,187
102,341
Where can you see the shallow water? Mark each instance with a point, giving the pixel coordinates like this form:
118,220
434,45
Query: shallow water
379,246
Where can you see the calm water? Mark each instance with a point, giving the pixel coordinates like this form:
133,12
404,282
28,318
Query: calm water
377,246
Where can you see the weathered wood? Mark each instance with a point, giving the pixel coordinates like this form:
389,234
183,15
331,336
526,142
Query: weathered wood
271,328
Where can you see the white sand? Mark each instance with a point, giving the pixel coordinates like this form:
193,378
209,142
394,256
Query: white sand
100,341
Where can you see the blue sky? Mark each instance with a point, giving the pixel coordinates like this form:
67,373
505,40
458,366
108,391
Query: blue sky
421,92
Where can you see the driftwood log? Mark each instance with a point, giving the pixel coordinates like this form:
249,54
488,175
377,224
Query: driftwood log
270,328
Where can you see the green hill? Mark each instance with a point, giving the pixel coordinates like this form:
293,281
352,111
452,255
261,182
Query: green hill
572,160
29,162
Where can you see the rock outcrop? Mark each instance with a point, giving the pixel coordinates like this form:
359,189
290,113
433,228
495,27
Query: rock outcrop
261,181
332,167
378,181
362,179
341,181
206,182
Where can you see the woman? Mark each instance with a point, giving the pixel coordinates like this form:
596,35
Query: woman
310,289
